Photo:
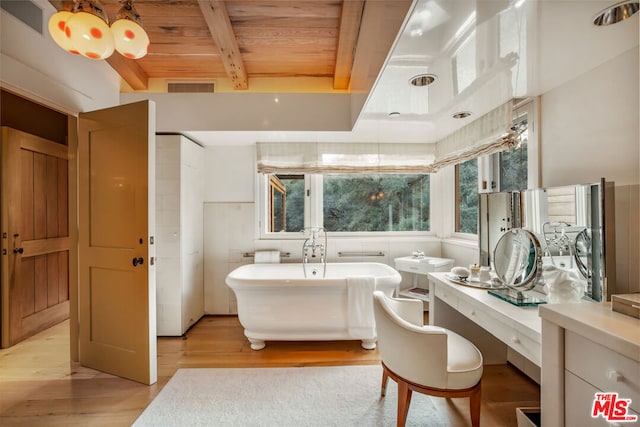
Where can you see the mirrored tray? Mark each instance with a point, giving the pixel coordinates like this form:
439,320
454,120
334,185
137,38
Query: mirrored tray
473,282
516,298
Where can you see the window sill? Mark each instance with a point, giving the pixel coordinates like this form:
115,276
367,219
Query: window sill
469,241
382,235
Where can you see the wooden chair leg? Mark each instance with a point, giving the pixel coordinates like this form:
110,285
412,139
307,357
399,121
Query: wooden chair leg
404,400
474,404
385,380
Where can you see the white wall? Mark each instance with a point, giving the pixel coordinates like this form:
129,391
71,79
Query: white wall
589,126
188,112
32,65
627,220
230,173
228,233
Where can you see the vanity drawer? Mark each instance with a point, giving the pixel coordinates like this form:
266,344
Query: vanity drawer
528,347
447,296
504,331
605,369
579,396
479,316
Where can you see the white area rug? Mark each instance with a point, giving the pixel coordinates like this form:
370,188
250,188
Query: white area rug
309,396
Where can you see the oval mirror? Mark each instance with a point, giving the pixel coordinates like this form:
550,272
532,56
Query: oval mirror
516,258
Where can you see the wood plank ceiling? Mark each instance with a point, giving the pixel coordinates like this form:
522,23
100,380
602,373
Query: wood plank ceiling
241,39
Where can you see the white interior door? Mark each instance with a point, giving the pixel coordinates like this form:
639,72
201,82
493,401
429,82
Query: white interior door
116,215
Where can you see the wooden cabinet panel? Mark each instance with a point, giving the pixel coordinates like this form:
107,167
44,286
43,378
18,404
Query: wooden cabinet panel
52,279
63,197
63,276
39,196
26,229
28,283
52,196
40,283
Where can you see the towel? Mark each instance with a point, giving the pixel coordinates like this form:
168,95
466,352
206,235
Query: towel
563,285
266,257
360,321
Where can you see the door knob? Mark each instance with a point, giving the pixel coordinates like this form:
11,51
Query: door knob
18,250
137,261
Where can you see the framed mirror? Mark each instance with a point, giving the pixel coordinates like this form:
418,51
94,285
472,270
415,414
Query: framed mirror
574,225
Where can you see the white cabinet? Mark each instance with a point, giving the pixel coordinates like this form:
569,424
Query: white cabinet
420,266
179,234
587,348
423,265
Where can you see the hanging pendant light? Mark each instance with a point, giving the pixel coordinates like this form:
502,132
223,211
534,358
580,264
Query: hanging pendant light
130,38
85,31
88,29
57,27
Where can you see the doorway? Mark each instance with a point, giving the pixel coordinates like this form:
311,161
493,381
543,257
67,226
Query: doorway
34,264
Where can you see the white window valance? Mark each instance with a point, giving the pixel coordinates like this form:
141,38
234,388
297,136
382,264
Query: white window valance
371,158
488,134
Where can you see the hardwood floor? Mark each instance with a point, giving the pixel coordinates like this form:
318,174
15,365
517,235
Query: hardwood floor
40,387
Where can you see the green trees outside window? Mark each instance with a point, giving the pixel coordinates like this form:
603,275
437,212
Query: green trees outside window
352,203
376,202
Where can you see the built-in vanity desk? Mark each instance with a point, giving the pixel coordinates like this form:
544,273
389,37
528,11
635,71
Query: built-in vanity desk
496,327
587,348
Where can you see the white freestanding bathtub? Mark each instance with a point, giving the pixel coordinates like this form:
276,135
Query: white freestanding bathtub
276,302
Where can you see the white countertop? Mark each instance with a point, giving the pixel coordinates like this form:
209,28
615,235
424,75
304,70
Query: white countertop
506,312
597,322
436,262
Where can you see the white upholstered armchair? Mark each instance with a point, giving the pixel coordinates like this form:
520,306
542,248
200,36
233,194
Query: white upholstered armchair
426,359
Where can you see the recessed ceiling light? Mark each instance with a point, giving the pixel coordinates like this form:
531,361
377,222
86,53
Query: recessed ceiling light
462,115
423,79
616,13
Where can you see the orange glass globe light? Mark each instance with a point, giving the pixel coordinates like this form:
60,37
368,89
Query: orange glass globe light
90,35
130,39
57,26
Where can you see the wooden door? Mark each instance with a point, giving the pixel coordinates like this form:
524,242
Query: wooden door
116,215
35,235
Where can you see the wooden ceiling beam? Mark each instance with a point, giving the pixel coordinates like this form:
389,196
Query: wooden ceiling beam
347,37
130,71
217,18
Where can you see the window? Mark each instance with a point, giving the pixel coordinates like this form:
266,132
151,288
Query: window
348,202
286,203
467,197
376,202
